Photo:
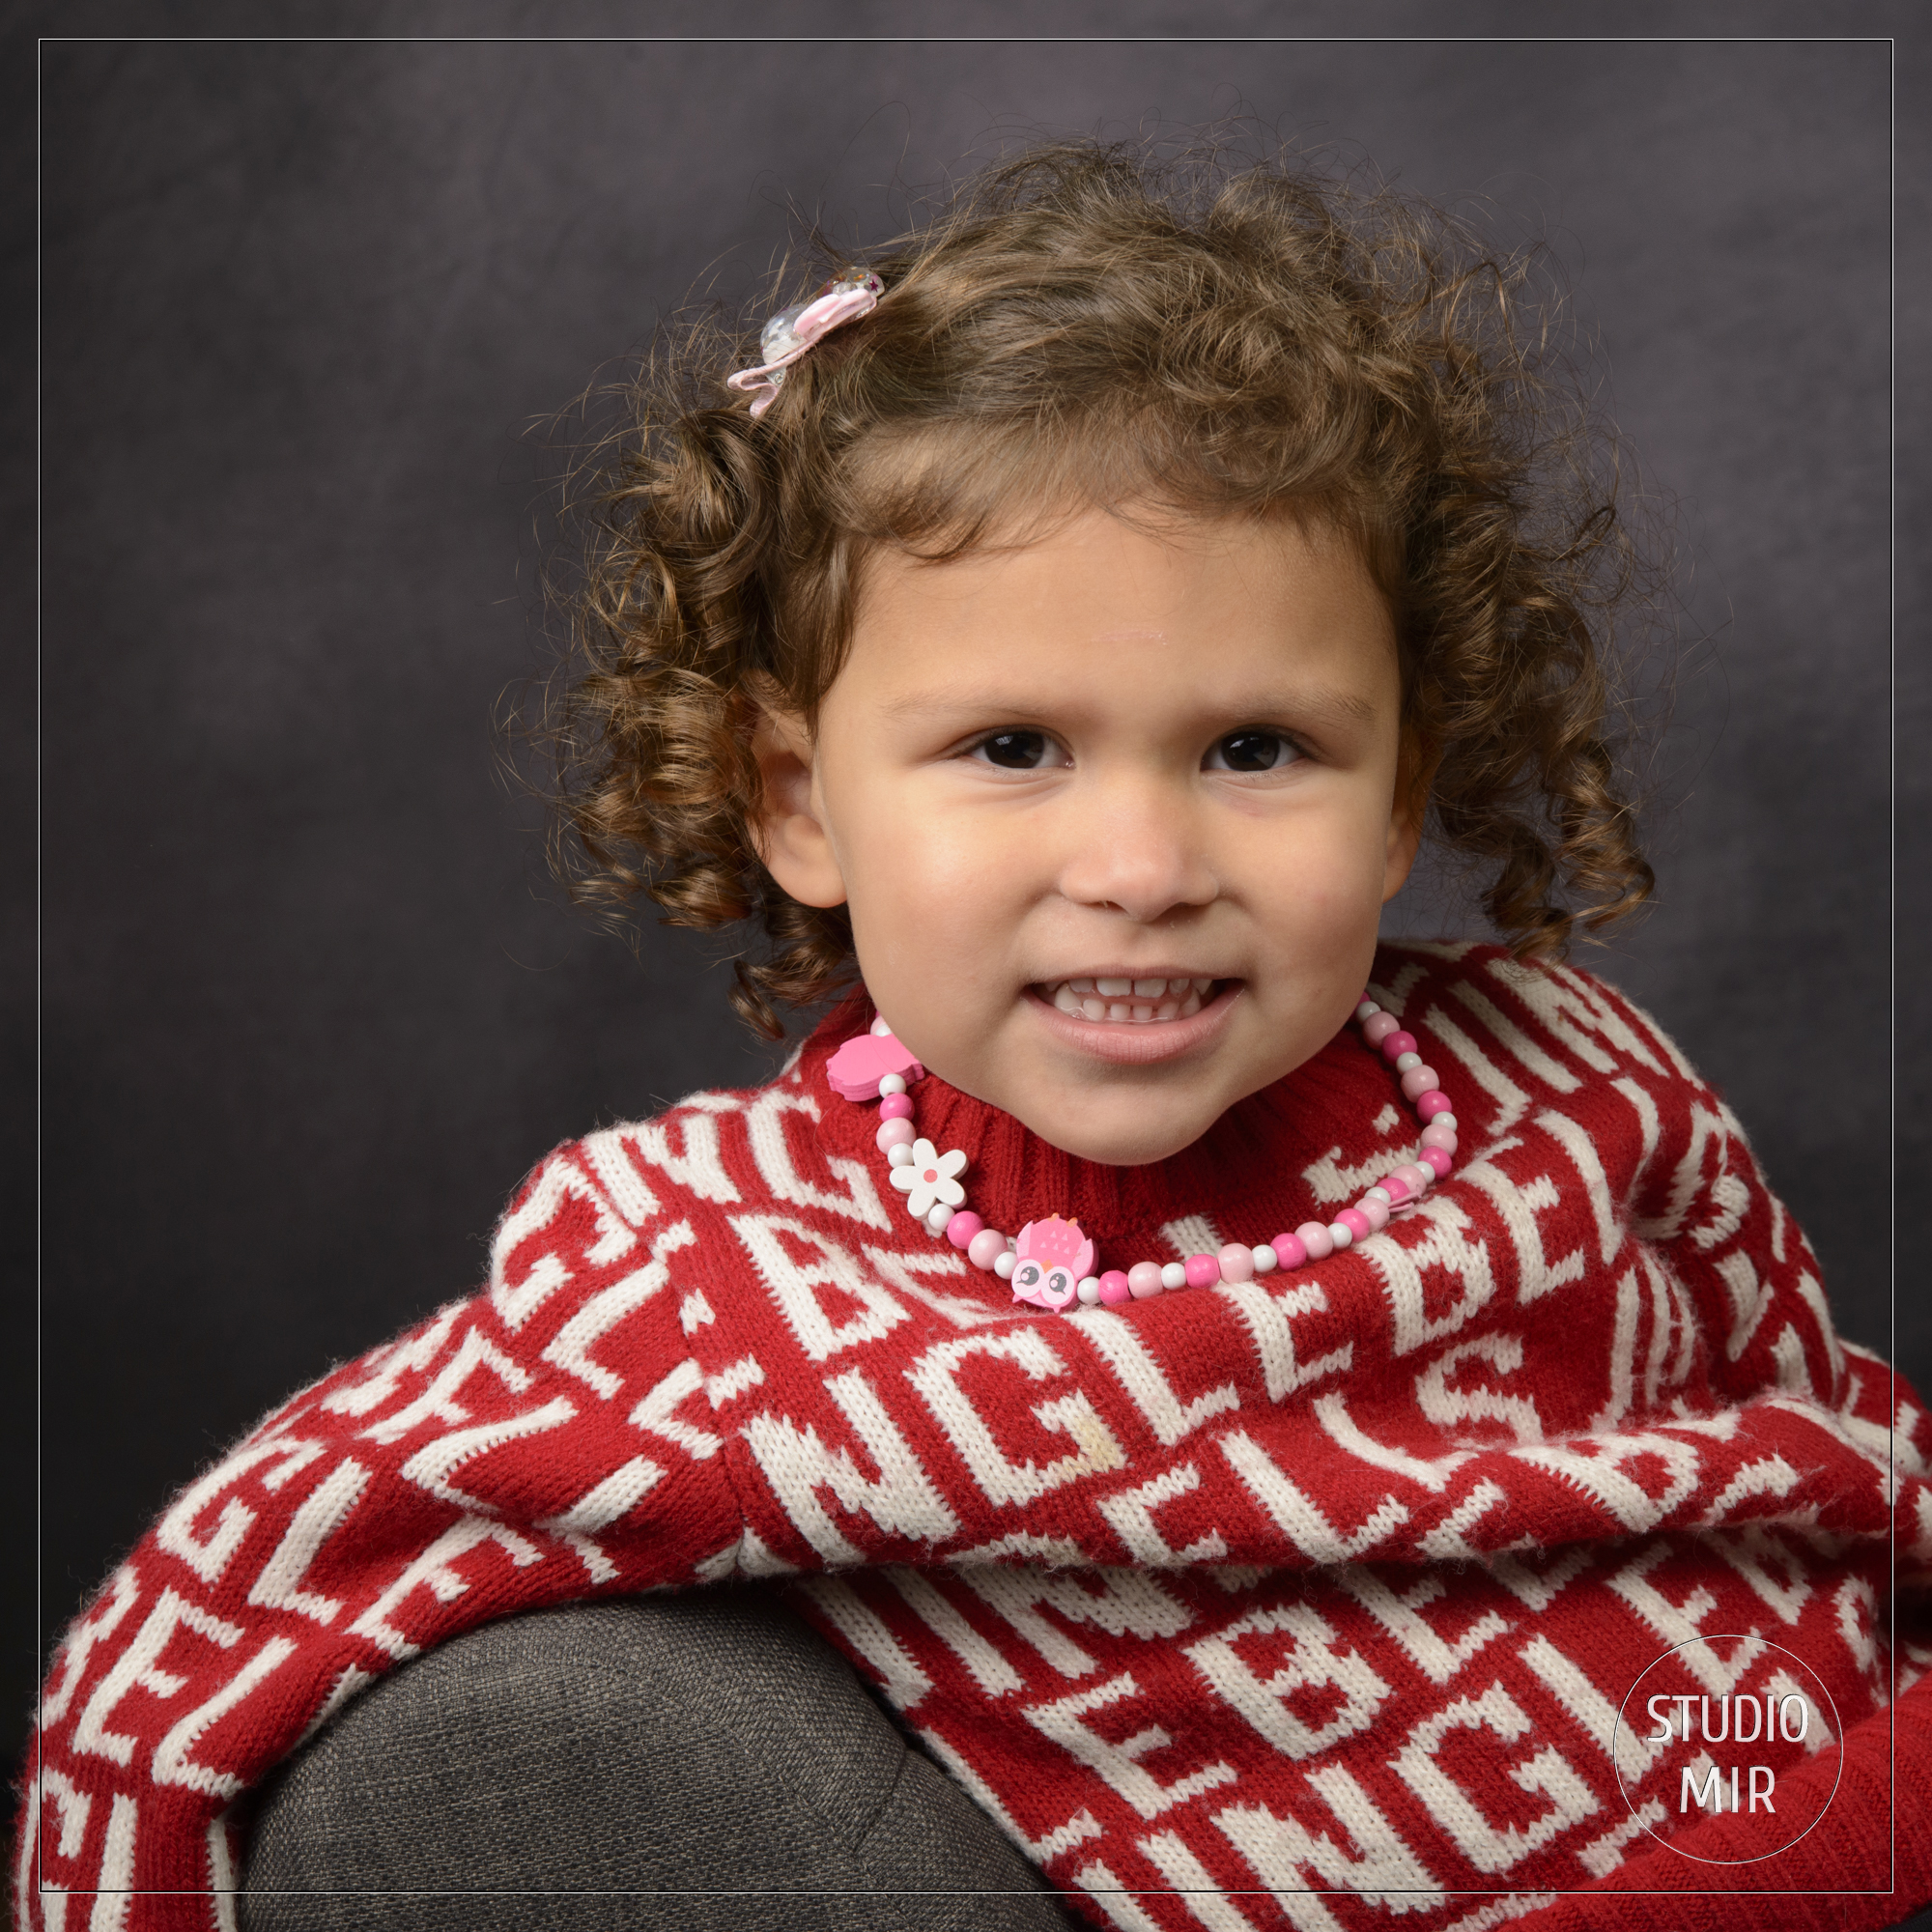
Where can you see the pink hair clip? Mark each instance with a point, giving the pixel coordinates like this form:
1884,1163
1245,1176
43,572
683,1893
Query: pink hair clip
790,332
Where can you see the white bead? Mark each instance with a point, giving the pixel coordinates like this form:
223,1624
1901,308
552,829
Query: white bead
1005,1264
1341,1234
893,1083
901,1155
1089,1291
1379,1193
1444,1121
1265,1259
1174,1275
880,1029
935,1222
1404,1060
1367,1010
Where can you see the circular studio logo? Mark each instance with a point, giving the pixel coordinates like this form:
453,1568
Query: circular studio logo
1716,1729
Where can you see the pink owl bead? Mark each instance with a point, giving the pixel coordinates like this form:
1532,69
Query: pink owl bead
1434,1158
1236,1262
1418,1081
1317,1243
986,1247
895,1107
1115,1289
1431,1104
1144,1280
1202,1270
1377,1027
1395,1044
962,1227
894,1134
1288,1253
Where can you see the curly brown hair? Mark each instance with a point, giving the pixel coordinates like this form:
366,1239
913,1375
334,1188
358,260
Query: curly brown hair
1095,324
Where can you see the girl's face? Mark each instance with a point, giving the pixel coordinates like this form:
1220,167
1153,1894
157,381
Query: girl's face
1064,788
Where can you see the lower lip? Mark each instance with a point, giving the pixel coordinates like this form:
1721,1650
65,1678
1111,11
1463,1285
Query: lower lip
1131,1043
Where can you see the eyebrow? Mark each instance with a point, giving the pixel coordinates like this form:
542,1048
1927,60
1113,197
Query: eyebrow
1322,704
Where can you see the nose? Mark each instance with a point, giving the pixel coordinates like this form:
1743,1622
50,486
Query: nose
1136,845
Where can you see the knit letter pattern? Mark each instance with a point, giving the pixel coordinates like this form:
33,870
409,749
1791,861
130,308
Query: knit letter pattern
1305,1601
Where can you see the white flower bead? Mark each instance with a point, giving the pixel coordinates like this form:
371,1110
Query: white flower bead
1265,1259
1174,1275
928,1178
893,1083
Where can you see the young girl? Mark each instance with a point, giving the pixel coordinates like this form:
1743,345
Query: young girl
1293,1431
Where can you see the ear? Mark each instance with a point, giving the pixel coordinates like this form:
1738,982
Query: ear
789,828
1416,772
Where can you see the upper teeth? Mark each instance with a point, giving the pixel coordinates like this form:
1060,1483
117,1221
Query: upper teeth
1130,1000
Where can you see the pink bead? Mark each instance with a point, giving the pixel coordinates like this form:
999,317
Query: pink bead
1395,1044
1356,1222
895,1107
1289,1251
986,1247
1114,1289
1417,1176
1399,1189
894,1134
1420,1080
1431,1104
1236,1262
1374,1212
962,1227
1202,1270
1315,1241
1378,1028
1437,1159
1144,1280
1442,1137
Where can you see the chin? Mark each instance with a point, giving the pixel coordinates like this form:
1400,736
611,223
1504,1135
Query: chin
1136,1144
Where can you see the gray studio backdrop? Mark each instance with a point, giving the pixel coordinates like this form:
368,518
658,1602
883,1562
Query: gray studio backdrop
311,1007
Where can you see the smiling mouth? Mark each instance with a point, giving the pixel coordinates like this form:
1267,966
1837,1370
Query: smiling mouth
1126,1002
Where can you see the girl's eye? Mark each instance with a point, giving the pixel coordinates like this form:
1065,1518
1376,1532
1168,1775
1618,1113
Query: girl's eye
1252,751
1019,750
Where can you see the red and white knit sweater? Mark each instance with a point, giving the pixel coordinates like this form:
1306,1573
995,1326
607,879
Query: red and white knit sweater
1327,1586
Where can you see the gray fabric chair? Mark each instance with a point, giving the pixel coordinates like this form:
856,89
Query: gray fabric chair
687,1763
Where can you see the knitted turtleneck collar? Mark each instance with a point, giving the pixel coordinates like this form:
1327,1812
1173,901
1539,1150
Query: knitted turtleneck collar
1245,1175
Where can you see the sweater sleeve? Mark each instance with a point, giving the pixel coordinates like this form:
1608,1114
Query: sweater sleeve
499,1458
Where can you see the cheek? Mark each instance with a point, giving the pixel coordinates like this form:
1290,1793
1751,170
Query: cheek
942,899
1323,873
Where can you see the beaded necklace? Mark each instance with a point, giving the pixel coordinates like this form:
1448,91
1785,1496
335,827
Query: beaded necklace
1051,1262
